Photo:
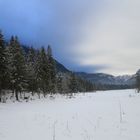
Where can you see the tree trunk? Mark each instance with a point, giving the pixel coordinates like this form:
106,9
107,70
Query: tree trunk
20,95
16,94
32,93
0,95
38,93
44,94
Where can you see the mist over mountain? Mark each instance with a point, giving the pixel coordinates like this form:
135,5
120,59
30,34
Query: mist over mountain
122,81
107,79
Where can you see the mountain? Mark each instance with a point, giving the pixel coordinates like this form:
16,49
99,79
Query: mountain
107,79
98,78
61,68
126,79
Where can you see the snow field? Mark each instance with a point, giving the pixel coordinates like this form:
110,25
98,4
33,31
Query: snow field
103,115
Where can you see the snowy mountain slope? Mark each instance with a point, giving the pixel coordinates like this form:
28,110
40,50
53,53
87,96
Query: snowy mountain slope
102,78
59,66
109,115
96,78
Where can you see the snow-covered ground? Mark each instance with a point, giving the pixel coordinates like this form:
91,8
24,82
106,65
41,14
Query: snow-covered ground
104,115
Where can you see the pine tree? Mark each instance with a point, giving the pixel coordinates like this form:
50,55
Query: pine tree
3,67
42,71
73,85
51,70
16,66
59,83
37,68
10,59
30,67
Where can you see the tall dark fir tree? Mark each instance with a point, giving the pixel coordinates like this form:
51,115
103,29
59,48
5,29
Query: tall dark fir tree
3,67
31,73
73,85
59,83
51,70
17,66
42,71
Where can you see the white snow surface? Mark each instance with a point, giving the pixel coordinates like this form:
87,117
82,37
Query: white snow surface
103,115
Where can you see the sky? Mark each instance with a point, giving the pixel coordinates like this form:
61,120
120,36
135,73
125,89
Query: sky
85,35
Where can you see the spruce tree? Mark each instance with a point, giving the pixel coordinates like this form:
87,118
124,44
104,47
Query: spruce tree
51,70
2,64
42,71
37,67
16,66
73,85
31,73
59,83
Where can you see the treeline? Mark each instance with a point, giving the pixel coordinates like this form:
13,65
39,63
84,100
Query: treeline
113,87
34,71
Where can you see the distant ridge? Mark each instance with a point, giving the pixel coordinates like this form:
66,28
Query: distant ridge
107,79
61,68
97,78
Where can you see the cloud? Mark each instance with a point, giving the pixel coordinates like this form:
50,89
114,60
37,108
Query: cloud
113,40
86,35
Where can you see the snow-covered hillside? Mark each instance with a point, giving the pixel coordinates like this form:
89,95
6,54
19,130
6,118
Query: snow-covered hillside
107,79
104,115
